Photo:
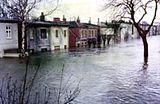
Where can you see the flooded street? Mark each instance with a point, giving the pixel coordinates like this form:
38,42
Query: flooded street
111,75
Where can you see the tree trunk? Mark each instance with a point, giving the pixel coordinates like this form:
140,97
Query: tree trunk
145,44
108,40
23,40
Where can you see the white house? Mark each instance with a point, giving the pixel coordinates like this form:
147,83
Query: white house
59,37
47,35
109,32
9,35
128,31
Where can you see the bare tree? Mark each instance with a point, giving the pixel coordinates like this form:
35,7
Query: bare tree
135,10
21,9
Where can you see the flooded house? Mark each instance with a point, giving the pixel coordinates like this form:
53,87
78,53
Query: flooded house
109,32
9,35
38,36
59,34
82,34
128,31
117,31
47,35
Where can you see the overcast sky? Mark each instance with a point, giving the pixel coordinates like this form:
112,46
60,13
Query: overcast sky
85,9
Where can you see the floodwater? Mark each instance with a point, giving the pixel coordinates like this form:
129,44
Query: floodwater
111,75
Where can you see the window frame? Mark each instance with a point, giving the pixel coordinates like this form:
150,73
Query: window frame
32,33
43,37
56,32
65,33
8,32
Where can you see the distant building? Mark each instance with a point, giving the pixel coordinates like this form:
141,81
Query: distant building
158,27
9,35
109,32
82,34
128,31
117,31
153,31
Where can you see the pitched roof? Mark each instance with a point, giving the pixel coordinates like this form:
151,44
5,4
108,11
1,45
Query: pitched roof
5,20
75,24
109,25
89,25
48,24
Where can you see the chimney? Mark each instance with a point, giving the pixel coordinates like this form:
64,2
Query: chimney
57,19
42,17
98,23
89,20
78,20
64,19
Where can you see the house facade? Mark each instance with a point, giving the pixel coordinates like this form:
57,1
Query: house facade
109,32
118,32
82,34
47,35
59,34
153,31
128,31
38,36
9,35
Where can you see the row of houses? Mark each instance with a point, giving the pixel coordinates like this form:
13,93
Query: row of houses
42,35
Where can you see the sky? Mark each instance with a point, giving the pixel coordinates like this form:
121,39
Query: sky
85,9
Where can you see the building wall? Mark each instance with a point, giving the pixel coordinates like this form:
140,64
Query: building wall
107,31
128,31
87,33
36,41
61,41
8,42
74,37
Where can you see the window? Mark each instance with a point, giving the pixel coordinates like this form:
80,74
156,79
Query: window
57,33
65,33
89,32
65,46
92,32
32,34
8,32
43,49
43,33
56,47
83,32
86,32
95,32
81,35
